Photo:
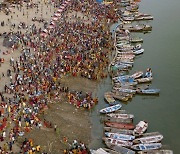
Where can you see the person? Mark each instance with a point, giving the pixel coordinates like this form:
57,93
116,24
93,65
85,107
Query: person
55,127
148,73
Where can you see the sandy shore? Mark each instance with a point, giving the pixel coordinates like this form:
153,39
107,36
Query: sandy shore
72,123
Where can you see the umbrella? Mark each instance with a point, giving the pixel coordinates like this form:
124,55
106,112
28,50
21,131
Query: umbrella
55,18
44,34
59,10
62,7
52,23
57,14
51,26
45,31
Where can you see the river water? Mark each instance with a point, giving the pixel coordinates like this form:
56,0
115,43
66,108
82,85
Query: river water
162,54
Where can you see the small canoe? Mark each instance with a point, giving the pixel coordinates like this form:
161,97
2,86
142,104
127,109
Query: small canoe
111,108
99,151
144,80
149,139
121,98
119,125
149,91
141,127
156,152
116,130
109,98
138,52
117,142
119,136
110,151
118,120
145,147
131,91
137,75
128,18
121,116
136,40
118,93
120,149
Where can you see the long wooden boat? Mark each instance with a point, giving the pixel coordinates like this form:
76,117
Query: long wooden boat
138,28
138,52
141,127
145,147
99,151
111,108
119,136
116,130
144,18
149,139
137,75
131,91
149,91
118,120
150,134
117,142
119,125
110,151
118,93
136,40
144,80
162,151
121,98
120,149
109,98
121,116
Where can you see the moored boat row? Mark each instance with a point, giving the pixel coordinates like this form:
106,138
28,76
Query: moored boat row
121,135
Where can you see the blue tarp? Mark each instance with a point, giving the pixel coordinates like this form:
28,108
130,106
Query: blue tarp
99,1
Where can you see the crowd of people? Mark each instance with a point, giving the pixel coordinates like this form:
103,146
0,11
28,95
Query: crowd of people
72,47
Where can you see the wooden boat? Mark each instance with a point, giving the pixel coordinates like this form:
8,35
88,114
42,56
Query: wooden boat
149,139
99,151
137,75
121,98
110,151
144,18
149,91
138,28
132,8
150,134
111,108
121,111
136,40
144,80
117,93
119,136
119,125
122,37
116,130
125,52
109,98
141,127
145,147
138,52
126,56
121,116
131,91
117,142
130,18
162,151
120,149
118,120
